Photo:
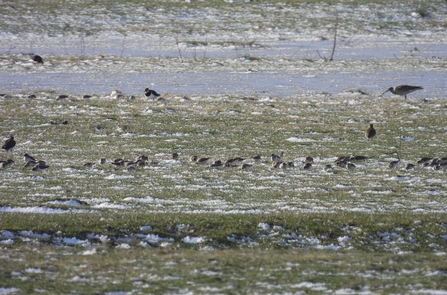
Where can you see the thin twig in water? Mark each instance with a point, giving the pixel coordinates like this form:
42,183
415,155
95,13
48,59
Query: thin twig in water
335,39
122,47
320,55
178,48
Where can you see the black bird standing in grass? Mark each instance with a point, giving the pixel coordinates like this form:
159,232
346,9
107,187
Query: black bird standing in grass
9,143
37,58
370,132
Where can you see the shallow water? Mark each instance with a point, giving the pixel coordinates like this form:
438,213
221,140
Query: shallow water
209,83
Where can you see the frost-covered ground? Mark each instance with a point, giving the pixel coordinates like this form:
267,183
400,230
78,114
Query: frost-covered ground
238,79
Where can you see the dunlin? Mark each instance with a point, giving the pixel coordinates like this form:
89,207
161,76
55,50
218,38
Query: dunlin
118,162
402,90
216,163
174,156
327,167
246,166
276,164
409,166
424,160
342,161
358,158
202,160
350,166
309,160
6,163
140,163
393,164
307,166
88,164
276,158
142,158
256,158
40,167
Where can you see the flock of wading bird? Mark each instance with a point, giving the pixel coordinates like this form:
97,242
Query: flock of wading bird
276,160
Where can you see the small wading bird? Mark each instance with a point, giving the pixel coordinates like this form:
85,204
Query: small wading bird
6,163
40,166
9,143
402,90
151,93
370,132
37,58
27,158
276,158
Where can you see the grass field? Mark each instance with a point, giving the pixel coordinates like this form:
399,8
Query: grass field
177,227
185,227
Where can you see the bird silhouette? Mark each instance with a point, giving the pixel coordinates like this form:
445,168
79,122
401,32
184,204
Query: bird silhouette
402,90
37,58
9,144
370,132
151,93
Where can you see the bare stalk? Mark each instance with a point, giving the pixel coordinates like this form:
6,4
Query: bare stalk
335,39
178,48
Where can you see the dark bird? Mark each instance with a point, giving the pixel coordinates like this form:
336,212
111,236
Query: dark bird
151,93
350,166
6,163
246,166
277,164
402,90
30,164
142,158
358,158
118,162
393,164
309,160
40,167
307,166
174,156
217,163
202,160
370,132
409,166
36,58
27,158
256,158
9,143
327,167
276,158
